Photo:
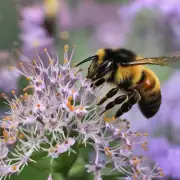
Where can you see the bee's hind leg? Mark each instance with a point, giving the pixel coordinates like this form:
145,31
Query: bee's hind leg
110,94
118,100
133,98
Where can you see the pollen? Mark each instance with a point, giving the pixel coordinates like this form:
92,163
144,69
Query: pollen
138,134
50,61
28,78
65,60
21,136
144,146
161,174
5,134
137,172
135,161
107,119
13,106
28,87
7,118
21,64
73,91
45,49
14,167
25,95
70,107
145,134
12,138
70,98
51,150
135,177
66,47
34,61
38,105
13,92
107,151
81,108
11,67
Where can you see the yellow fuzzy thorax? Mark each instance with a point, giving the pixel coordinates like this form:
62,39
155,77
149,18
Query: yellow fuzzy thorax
125,73
101,53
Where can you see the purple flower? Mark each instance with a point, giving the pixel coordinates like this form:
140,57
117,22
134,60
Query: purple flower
62,101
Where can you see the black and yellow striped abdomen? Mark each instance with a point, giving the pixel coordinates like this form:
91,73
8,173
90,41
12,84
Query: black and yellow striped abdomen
149,89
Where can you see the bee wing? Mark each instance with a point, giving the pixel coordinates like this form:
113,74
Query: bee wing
161,61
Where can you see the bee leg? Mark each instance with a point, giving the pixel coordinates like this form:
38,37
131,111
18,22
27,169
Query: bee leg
110,94
118,100
133,98
98,83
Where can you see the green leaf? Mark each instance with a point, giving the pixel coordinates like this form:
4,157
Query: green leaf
85,151
57,176
22,83
107,174
43,162
65,161
29,173
78,169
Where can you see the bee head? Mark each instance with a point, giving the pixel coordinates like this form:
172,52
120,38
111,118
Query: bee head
120,56
101,63
98,62
107,58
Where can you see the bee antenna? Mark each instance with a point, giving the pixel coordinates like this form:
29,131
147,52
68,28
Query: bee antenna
86,60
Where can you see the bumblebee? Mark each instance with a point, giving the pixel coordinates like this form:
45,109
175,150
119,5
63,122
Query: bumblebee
128,72
49,22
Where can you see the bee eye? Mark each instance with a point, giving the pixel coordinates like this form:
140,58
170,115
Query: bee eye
108,64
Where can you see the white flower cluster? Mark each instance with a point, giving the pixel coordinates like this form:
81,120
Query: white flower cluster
57,111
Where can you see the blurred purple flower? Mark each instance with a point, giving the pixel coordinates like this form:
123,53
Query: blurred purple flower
33,35
166,155
65,16
169,10
109,34
8,79
163,128
92,14
103,19
168,116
